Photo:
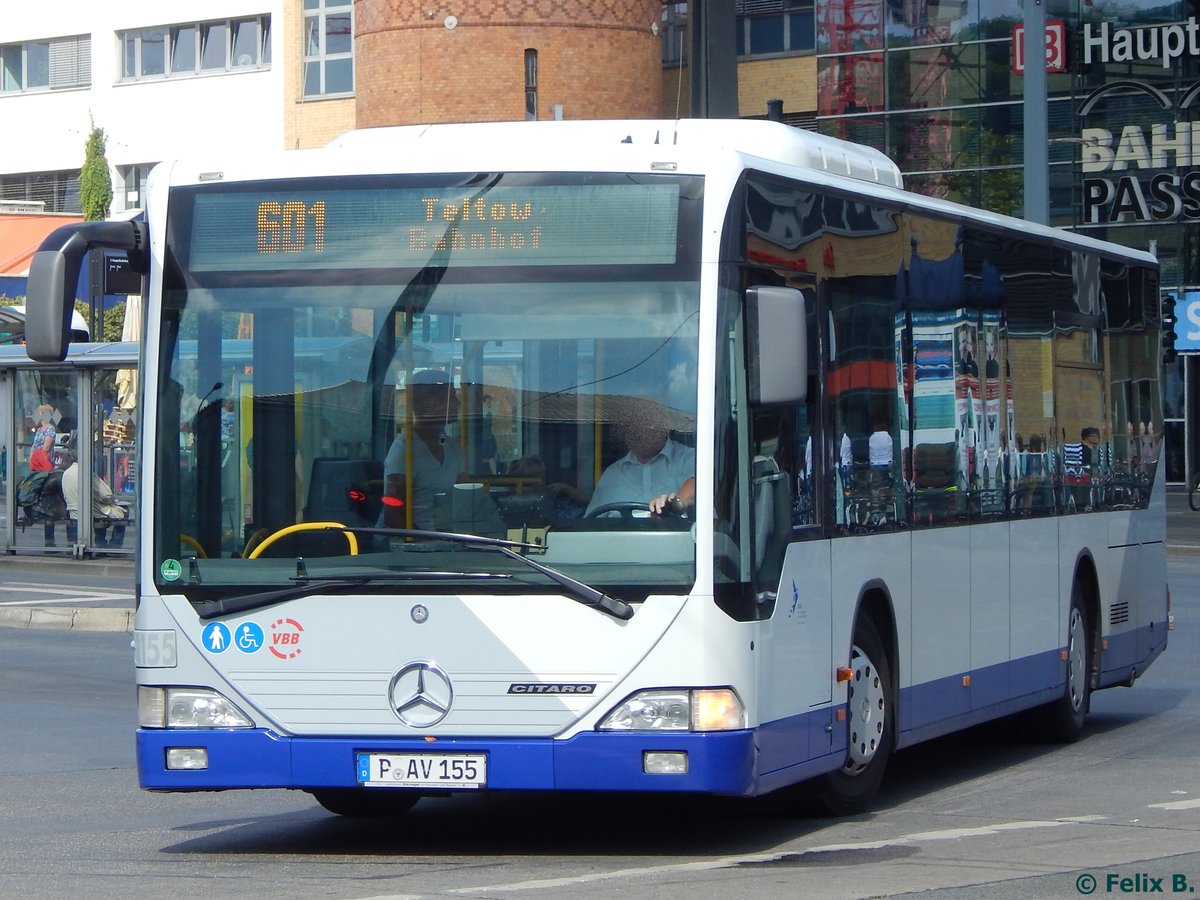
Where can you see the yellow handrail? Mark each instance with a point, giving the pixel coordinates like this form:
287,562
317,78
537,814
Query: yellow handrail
306,526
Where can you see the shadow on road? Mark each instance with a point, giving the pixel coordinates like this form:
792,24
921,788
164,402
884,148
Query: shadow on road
605,824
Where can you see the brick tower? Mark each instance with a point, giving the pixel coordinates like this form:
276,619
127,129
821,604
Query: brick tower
504,60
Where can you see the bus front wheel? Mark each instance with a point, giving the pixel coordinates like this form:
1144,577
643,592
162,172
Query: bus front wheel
870,726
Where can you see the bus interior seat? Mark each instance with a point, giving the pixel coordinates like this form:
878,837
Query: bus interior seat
773,530
345,490
519,510
860,450
935,466
935,476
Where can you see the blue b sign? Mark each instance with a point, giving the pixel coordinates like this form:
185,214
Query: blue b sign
1188,327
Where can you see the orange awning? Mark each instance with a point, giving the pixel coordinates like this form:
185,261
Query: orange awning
22,233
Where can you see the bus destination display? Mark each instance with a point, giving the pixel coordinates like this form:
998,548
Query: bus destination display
550,225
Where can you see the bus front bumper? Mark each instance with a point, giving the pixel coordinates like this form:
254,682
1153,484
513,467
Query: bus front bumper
716,762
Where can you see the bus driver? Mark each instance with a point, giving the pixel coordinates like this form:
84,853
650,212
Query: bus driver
658,470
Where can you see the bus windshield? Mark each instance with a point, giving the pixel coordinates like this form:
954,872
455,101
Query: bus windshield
355,368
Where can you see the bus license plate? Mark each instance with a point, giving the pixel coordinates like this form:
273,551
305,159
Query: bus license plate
423,770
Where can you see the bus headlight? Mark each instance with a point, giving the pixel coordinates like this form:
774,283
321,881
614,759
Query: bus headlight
187,708
711,709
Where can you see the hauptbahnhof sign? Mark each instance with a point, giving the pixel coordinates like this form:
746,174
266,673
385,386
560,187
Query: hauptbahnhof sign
1143,172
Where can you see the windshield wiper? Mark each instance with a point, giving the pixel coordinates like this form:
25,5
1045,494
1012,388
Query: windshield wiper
584,593
311,584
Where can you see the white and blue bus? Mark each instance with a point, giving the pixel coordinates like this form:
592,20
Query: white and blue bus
922,443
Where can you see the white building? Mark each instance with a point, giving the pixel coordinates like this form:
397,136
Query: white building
164,80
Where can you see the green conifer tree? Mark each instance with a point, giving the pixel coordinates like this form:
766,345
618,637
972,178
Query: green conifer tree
95,182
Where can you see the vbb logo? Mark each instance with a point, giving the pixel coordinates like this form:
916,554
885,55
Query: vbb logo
285,638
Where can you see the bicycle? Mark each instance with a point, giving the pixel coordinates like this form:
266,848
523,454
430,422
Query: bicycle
1194,493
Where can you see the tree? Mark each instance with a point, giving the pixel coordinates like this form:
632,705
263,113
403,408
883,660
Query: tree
95,182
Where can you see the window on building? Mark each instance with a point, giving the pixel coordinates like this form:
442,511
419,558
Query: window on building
328,47
213,51
133,180
531,105
183,48
46,65
775,26
59,191
246,43
153,59
194,48
674,30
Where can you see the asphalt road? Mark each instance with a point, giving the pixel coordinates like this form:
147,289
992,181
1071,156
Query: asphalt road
986,814
982,814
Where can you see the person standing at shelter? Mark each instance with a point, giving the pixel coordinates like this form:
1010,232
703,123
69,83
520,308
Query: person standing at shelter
40,460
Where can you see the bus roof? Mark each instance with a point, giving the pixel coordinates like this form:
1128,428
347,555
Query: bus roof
750,137
667,146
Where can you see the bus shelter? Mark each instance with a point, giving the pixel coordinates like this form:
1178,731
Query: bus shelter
82,411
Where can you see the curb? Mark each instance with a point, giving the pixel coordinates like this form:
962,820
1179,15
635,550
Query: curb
107,566
61,619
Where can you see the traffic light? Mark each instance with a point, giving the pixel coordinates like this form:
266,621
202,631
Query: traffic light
1168,320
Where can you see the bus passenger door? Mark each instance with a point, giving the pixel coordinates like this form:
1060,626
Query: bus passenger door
792,572
796,659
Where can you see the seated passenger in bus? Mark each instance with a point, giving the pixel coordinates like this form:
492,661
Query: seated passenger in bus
1089,439
437,460
657,470
565,501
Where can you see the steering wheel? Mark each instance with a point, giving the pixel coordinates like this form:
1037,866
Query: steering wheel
625,507
305,526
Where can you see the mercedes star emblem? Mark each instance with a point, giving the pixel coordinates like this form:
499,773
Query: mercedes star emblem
421,695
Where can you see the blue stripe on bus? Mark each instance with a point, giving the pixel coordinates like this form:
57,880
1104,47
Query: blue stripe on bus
744,762
719,763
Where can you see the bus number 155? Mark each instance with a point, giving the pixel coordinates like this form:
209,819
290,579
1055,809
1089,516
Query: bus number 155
286,227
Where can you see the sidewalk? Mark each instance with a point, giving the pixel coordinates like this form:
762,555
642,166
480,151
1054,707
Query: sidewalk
113,613
1183,525
111,610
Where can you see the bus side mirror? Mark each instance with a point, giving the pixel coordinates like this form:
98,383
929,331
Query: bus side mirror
54,273
777,344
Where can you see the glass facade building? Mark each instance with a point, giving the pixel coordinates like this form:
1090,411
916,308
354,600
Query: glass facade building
939,87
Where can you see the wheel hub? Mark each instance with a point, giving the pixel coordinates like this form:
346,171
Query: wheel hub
868,712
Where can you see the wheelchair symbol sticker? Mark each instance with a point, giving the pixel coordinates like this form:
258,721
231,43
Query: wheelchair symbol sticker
215,637
249,637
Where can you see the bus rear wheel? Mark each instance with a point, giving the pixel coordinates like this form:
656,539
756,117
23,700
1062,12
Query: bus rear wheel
366,803
1064,717
870,727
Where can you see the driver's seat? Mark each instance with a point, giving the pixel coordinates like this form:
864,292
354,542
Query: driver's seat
344,490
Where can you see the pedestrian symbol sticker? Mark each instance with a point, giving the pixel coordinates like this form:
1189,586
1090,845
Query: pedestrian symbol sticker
215,637
249,637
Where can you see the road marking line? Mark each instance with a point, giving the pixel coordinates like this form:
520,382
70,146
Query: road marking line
731,861
954,834
1177,804
39,589
90,598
